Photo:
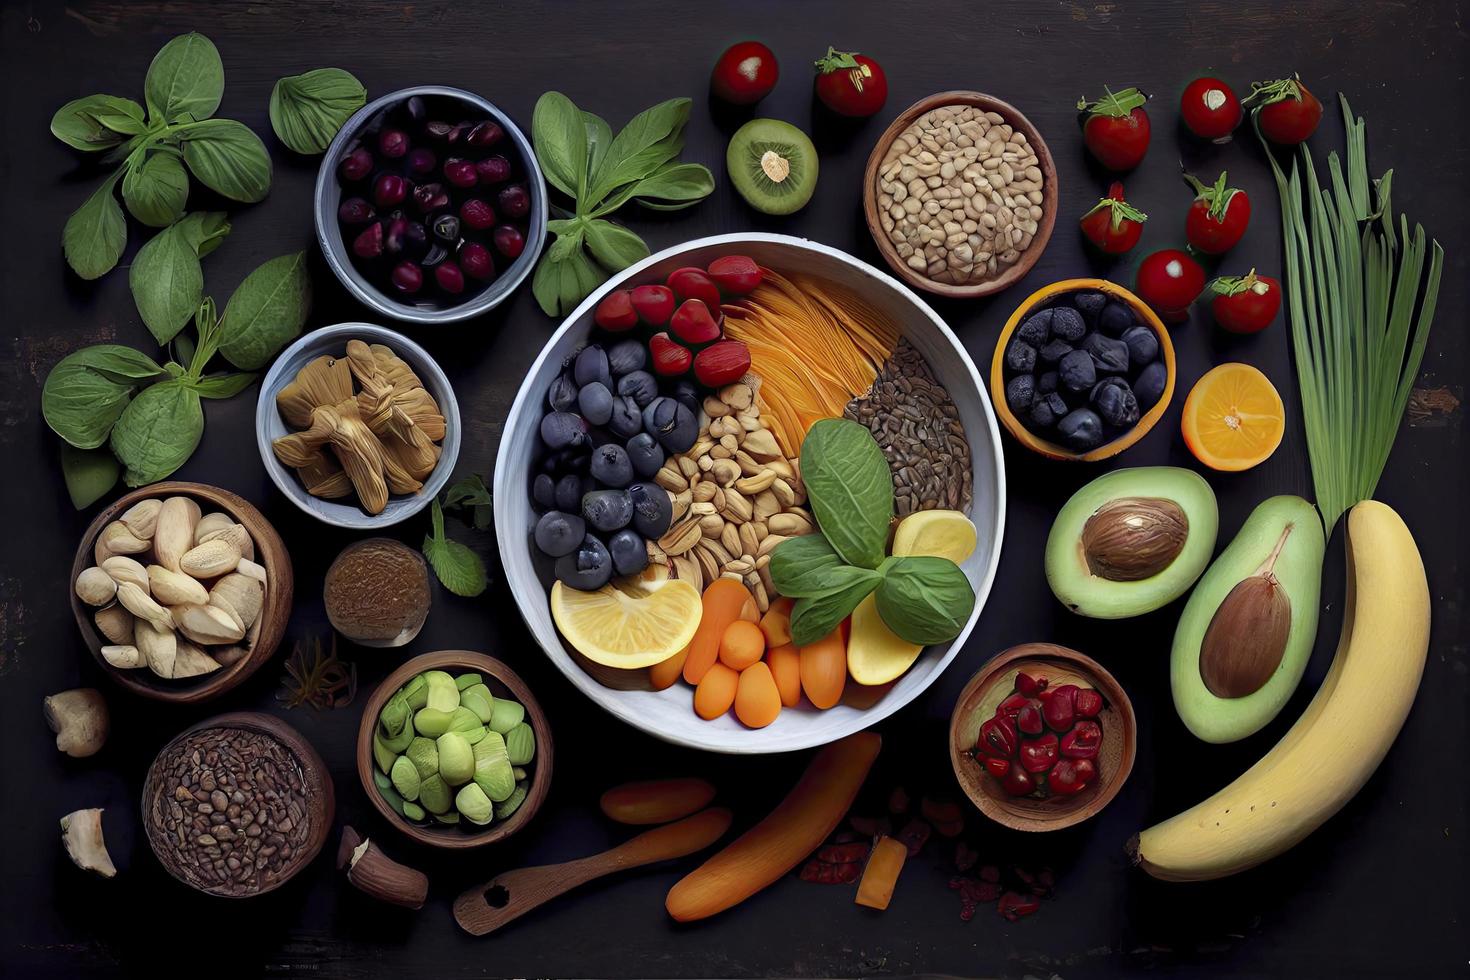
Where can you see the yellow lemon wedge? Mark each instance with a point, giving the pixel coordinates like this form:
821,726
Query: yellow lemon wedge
629,623
937,533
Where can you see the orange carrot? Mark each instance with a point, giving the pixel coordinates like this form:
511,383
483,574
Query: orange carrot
881,875
723,601
785,664
742,645
757,702
824,669
656,800
776,623
662,675
715,691
798,826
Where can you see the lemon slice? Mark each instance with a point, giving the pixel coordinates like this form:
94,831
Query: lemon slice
630,623
937,533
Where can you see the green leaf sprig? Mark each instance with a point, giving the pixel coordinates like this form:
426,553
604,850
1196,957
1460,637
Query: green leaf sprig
307,110
600,173
849,486
459,569
153,146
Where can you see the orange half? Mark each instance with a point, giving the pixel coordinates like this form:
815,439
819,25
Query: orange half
1233,418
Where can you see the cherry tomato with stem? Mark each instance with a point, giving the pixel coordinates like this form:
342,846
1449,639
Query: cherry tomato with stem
1210,109
850,83
1169,280
1218,217
1115,128
1285,111
1245,304
1113,225
745,73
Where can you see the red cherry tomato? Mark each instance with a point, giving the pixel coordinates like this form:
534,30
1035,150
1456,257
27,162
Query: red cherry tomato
1169,280
745,73
1218,217
1210,109
851,84
1245,304
1113,225
1115,128
1286,112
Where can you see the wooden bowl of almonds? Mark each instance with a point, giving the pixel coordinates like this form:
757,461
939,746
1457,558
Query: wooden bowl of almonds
960,194
181,591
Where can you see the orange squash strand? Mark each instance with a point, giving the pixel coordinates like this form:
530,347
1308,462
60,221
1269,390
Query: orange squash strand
798,826
723,603
881,875
656,800
823,667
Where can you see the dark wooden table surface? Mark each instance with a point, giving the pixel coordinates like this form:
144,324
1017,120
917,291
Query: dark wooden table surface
1379,890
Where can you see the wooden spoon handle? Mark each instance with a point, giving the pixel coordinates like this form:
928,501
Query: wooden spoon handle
526,888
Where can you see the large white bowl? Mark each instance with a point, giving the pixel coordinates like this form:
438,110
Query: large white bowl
669,714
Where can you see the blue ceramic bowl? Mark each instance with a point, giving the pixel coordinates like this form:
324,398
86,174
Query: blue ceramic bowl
269,425
425,311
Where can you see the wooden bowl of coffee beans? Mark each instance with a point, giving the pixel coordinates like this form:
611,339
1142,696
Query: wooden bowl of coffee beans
1082,370
960,194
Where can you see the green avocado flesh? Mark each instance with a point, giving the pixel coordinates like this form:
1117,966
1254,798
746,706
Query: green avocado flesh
1298,570
1087,588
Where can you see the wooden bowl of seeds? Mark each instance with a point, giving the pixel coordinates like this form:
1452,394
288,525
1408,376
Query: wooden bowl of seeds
960,194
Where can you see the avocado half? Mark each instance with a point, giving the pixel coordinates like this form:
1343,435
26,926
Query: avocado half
1245,636
1131,541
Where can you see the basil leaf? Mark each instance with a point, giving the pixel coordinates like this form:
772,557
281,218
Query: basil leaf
158,432
813,618
641,147
156,189
923,599
83,124
87,390
459,569
557,282
223,385
204,230
307,110
806,566
228,158
849,488
599,138
613,246
96,233
166,278
674,186
89,474
185,81
560,136
266,312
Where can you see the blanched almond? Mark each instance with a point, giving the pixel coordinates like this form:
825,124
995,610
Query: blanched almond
208,624
124,656
95,587
118,540
140,604
233,533
210,559
125,569
115,623
243,593
174,588
174,534
215,520
250,569
190,661
159,647
142,517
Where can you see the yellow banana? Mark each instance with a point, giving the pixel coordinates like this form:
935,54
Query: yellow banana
1342,736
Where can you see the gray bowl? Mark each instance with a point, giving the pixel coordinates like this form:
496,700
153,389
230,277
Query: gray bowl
269,425
329,236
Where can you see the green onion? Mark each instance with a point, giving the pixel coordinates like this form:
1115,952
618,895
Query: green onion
1352,285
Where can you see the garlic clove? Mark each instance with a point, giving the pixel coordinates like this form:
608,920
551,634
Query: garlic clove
81,835
119,540
95,587
80,720
140,604
218,601
125,569
142,517
233,533
115,623
191,661
210,559
174,588
250,569
244,596
124,656
160,648
213,521
208,624
174,534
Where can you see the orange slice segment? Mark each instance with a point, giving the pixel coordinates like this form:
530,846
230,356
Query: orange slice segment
1233,418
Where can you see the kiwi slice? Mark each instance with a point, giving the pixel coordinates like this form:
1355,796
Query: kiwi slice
773,165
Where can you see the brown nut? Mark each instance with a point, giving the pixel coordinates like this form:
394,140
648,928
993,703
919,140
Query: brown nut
376,874
1133,538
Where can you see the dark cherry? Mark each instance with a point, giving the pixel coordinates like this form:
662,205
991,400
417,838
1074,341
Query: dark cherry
355,211
460,173
1018,782
486,133
407,277
389,190
509,241
1028,685
476,261
394,232
369,243
1028,719
392,143
476,214
514,201
422,161
356,165
493,170
1060,709
1039,754
449,277
431,197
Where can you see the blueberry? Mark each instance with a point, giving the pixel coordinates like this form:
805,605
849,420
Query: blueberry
1054,351
611,466
607,510
1114,319
1115,402
588,568
595,403
646,455
1020,356
1076,371
626,355
1057,403
672,424
1089,304
562,429
626,420
639,386
1067,324
543,491
1036,328
1148,387
1081,429
1019,392
591,365
653,511
629,553
1143,345
688,395
1108,355
558,534
563,393
1046,383
1042,415
569,491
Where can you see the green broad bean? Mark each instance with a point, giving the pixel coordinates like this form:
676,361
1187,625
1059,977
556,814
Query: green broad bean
424,755
405,778
474,804
506,714
479,700
511,804
520,744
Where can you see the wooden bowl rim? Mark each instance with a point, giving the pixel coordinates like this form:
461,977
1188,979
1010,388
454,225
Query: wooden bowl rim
280,588
322,801
1050,194
1053,450
1070,812
454,838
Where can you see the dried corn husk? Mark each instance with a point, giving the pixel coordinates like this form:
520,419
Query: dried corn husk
325,478
326,380
361,456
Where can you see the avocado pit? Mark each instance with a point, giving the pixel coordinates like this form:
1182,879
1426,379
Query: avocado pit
1133,538
1246,639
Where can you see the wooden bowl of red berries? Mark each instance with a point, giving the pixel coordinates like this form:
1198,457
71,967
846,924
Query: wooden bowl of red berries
1042,737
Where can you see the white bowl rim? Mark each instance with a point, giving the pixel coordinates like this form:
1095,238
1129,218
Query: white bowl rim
292,489
505,482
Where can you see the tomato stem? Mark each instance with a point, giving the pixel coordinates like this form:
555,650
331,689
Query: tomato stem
1117,104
